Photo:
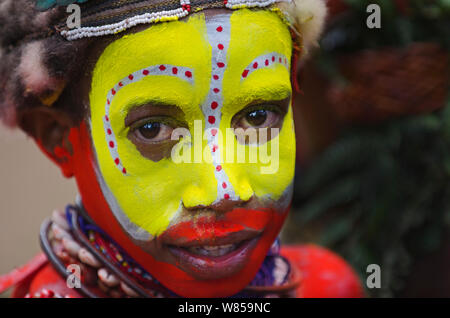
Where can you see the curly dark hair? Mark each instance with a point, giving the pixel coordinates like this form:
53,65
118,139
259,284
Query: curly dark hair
36,62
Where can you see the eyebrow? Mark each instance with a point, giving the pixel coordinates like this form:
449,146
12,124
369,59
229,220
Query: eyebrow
277,91
139,112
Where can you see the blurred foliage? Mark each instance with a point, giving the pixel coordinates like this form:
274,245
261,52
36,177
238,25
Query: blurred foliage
402,22
381,194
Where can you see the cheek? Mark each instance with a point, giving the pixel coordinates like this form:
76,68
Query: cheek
270,174
83,164
150,194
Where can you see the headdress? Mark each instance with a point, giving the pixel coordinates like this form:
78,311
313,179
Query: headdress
40,53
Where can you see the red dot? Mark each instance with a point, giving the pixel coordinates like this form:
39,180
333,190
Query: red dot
111,144
162,68
255,65
219,167
145,72
220,64
216,90
108,101
273,58
226,196
225,2
224,185
117,161
279,59
120,84
109,131
216,77
213,131
214,148
220,46
267,62
174,70
130,77
219,29
124,171
214,105
245,73
113,91
211,119
106,118
188,74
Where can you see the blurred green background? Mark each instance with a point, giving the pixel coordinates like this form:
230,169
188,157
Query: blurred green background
373,178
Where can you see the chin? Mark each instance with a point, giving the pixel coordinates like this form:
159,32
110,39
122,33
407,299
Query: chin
214,257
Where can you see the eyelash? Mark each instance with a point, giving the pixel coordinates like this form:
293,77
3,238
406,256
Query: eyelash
162,121
266,107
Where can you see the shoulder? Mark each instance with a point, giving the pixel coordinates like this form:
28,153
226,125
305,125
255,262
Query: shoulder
37,277
324,273
47,283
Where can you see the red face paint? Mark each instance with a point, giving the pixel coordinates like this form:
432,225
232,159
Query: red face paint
208,227
268,223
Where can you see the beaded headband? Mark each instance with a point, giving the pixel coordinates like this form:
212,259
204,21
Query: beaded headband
105,17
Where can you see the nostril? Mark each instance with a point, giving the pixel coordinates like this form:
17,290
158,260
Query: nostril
222,206
226,205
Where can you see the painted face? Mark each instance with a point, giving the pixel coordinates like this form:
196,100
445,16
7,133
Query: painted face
194,146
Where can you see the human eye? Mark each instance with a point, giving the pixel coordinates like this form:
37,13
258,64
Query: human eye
259,116
152,130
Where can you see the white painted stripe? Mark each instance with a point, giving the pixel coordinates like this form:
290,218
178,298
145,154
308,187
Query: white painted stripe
184,73
265,61
218,31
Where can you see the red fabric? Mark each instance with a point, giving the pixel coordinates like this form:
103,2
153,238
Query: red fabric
324,274
49,279
23,274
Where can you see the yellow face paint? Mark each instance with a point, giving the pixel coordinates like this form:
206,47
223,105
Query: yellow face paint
197,66
253,35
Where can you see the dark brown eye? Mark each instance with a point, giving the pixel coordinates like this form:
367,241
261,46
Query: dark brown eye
150,130
256,117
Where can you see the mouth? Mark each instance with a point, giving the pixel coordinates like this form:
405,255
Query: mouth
212,251
213,256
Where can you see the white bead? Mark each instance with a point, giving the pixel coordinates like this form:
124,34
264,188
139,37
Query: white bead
127,290
59,218
86,257
71,246
107,278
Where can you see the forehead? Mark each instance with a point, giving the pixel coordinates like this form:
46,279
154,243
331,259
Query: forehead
188,44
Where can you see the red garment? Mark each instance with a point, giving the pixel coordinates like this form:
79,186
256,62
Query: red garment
324,274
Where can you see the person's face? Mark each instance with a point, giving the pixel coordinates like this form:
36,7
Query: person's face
196,215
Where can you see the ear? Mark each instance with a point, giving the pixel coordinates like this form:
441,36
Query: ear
50,130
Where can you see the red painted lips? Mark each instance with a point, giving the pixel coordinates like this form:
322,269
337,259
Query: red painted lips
215,247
